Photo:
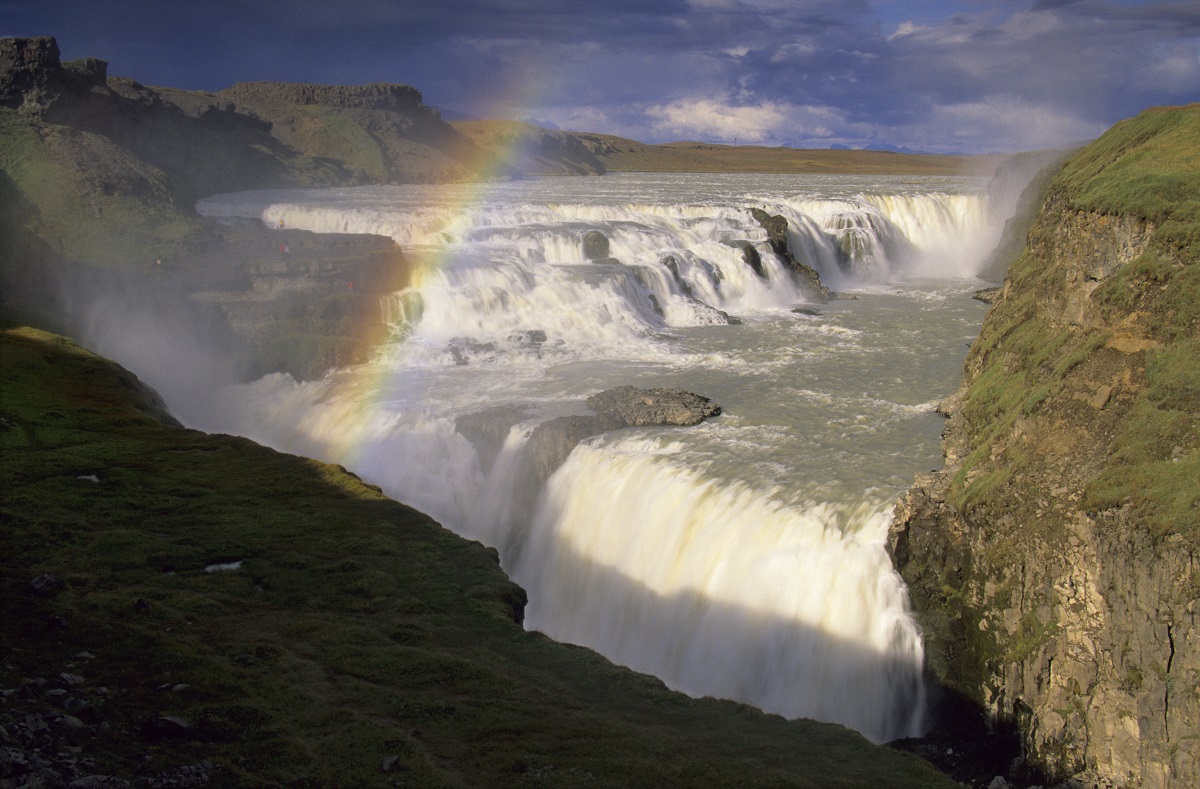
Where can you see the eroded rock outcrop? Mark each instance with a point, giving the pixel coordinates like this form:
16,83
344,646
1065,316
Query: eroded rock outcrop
636,407
1054,562
805,275
624,406
596,246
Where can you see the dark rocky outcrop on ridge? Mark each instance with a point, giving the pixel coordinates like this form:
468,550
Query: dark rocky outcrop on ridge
1055,561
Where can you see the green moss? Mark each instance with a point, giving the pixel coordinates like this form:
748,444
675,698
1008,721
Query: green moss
1132,681
1144,167
1088,343
1032,634
1035,398
1026,365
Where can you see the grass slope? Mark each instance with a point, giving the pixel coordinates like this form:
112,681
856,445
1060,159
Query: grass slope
1122,381
85,197
355,630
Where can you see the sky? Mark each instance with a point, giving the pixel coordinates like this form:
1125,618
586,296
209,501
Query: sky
939,76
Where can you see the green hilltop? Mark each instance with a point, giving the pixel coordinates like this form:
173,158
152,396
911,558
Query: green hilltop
1037,351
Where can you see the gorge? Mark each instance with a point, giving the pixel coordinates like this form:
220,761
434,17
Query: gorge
1050,564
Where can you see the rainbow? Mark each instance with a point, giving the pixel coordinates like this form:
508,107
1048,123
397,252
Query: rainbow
369,389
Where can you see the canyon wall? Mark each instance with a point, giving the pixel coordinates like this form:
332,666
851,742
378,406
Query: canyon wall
1054,560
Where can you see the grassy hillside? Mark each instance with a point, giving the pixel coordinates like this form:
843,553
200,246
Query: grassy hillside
380,133
86,197
515,148
1103,308
354,634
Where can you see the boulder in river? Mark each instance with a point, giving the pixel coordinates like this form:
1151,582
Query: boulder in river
595,245
636,407
624,406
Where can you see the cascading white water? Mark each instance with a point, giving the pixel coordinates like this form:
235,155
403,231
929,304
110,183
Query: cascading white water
743,558
701,584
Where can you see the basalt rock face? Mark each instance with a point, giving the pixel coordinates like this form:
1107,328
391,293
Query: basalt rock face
33,80
28,73
378,96
805,275
1055,562
552,441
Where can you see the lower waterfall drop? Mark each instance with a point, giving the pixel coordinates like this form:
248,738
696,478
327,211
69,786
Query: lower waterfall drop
722,592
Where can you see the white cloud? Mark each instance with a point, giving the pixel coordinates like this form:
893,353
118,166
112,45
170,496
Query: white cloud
1008,125
1179,68
906,29
726,121
795,50
688,119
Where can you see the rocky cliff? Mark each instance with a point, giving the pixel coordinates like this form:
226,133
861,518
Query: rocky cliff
1054,561
98,177
380,133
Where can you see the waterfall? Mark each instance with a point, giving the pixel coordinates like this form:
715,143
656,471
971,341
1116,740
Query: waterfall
742,559
724,592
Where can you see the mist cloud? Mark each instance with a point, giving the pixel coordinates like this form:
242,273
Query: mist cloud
941,76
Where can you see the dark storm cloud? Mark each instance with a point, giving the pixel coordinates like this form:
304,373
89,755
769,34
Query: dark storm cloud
939,75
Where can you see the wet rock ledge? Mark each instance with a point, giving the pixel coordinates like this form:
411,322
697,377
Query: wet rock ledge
552,441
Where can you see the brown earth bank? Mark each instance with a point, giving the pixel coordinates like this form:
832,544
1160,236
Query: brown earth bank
1054,562
549,152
